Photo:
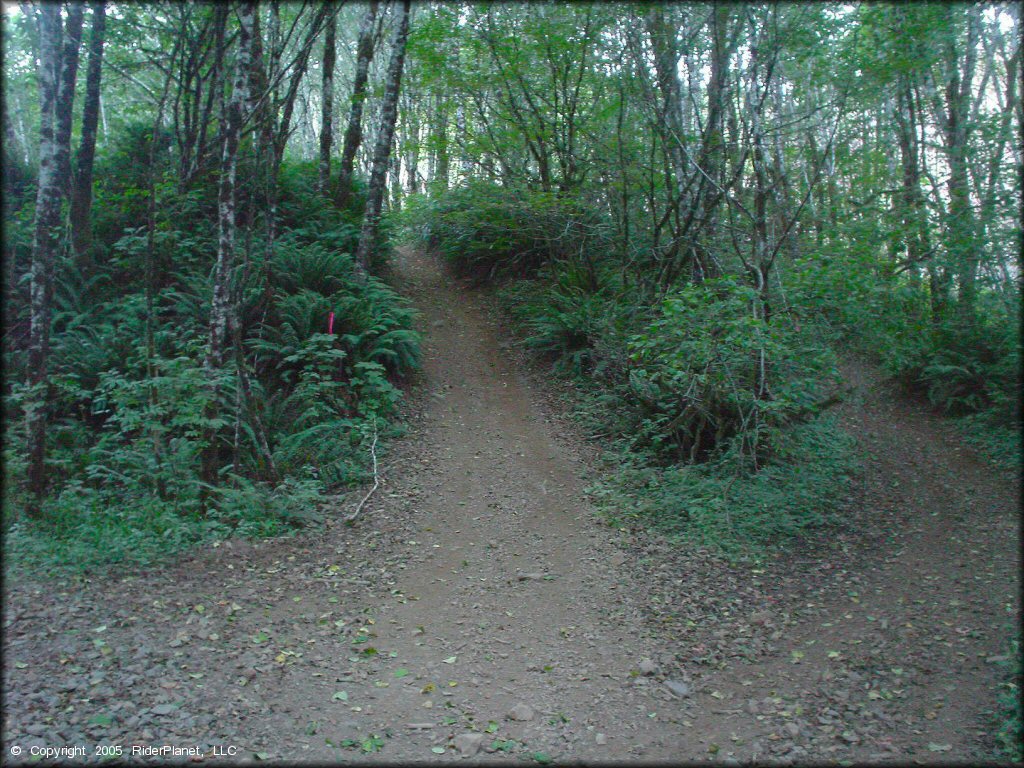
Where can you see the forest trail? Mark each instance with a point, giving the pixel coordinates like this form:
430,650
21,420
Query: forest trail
477,582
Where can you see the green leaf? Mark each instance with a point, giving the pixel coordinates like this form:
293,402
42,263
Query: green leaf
340,696
437,750
401,672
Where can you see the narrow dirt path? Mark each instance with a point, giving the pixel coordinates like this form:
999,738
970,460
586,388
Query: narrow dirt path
478,588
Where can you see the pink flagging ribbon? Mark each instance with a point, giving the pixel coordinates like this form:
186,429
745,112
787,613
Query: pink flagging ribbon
330,323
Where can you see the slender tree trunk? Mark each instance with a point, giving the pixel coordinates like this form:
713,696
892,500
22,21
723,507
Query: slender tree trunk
440,172
712,156
913,216
962,226
662,36
382,151
44,250
66,92
465,164
327,101
298,72
81,195
152,288
623,169
412,141
354,131
220,310
395,179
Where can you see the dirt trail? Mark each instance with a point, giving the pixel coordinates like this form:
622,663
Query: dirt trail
510,592
478,580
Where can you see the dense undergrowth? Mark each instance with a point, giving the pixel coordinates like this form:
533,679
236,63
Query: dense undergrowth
669,379
129,419
669,382
969,371
714,418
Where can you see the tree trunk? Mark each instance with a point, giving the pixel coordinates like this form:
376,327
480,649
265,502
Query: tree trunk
66,93
382,151
961,226
327,101
712,156
81,195
44,250
412,141
439,175
220,309
298,68
395,180
354,131
662,36
914,223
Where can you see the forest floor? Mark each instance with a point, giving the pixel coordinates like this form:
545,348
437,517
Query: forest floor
479,607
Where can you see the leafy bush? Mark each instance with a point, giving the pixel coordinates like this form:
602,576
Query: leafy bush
491,232
962,367
708,373
726,502
571,317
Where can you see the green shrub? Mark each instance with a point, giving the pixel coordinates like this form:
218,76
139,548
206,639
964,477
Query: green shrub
727,503
572,317
709,373
493,233
130,415
962,367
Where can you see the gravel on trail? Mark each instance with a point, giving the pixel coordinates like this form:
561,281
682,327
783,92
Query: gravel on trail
478,610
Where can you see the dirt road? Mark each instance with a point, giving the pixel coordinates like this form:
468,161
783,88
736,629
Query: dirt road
479,608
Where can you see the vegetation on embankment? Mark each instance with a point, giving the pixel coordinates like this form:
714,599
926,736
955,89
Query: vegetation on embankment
669,381
298,405
714,410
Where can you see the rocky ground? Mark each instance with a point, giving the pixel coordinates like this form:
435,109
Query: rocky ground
478,608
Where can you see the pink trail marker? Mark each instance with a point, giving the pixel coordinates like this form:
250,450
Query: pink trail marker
330,323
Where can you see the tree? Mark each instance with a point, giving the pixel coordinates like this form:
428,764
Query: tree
961,227
327,102
46,240
220,309
81,196
382,150
66,92
354,131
